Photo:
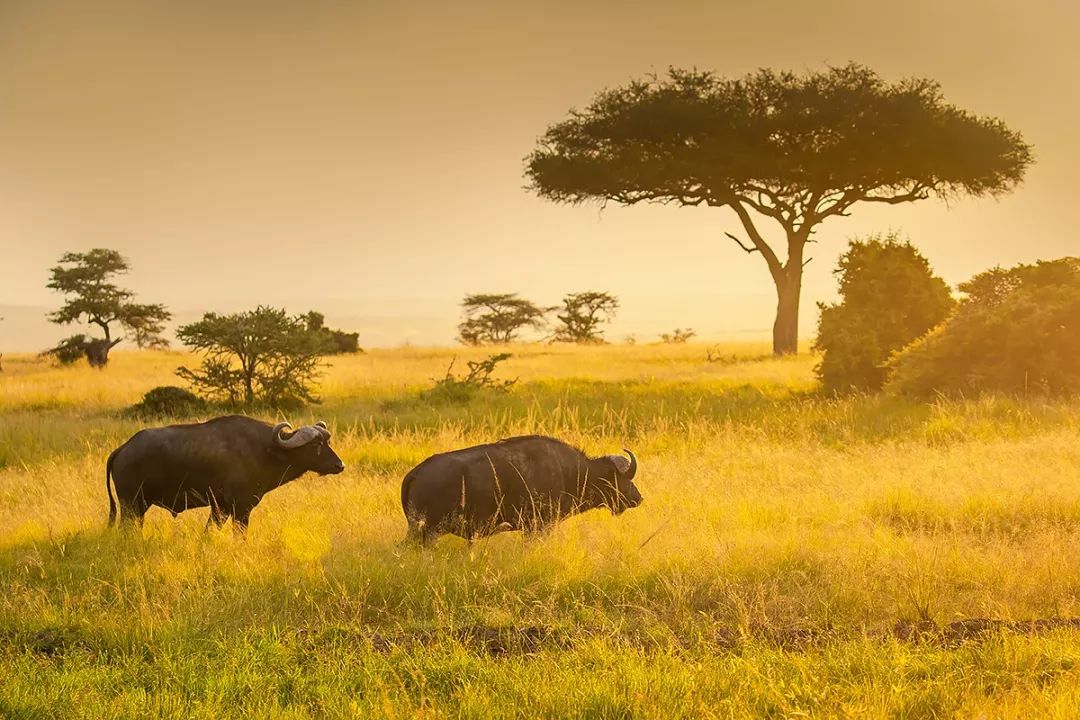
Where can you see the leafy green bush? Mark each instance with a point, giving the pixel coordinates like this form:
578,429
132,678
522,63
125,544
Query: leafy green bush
455,389
168,401
889,297
1017,330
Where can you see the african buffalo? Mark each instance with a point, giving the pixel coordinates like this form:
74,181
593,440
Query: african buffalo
227,463
521,483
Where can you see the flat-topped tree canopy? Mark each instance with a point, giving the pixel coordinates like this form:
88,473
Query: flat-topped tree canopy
86,281
794,148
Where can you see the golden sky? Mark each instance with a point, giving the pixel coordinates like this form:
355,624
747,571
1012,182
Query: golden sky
365,158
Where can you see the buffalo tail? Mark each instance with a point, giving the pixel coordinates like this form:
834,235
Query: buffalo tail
108,490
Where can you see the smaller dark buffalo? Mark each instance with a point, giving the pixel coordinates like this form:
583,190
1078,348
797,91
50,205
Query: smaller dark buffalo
522,483
227,463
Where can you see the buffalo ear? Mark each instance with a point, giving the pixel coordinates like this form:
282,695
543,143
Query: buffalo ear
602,472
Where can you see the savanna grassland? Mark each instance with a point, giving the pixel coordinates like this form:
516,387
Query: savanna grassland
796,555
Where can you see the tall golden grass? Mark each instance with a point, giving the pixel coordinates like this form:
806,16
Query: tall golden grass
792,553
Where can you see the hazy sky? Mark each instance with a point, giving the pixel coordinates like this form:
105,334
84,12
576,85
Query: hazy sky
365,158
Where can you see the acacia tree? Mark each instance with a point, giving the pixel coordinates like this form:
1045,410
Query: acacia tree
582,314
495,318
263,355
792,149
92,298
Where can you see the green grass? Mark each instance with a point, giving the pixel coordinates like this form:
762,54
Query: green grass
787,544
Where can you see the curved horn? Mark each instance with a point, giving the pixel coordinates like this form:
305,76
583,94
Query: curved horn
299,438
630,471
277,431
321,424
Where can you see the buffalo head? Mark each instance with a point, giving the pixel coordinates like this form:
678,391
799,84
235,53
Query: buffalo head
308,447
613,477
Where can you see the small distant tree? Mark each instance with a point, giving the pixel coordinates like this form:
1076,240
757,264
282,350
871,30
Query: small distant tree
315,321
336,342
678,336
147,327
85,278
582,315
494,318
889,297
263,355
1016,330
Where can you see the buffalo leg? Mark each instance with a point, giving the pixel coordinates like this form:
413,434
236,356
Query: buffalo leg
419,534
217,518
132,513
413,535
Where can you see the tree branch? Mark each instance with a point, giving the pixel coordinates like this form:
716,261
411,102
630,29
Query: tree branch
740,244
919,192
775,268
850,196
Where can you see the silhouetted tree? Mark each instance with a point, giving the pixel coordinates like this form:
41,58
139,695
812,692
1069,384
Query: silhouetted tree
795,149
261,355
582,314
889,297
493,318
85,278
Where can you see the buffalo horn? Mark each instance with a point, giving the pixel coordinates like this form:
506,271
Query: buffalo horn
626,468
299,438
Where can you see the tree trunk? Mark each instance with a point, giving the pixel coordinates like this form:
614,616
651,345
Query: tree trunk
787,276
249,387
97,352
786,325
788,281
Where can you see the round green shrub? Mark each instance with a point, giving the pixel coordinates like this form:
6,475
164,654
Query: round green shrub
1016,331
889,297
169,401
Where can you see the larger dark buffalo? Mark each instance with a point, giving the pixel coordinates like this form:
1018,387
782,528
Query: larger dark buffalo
227,463
522,483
